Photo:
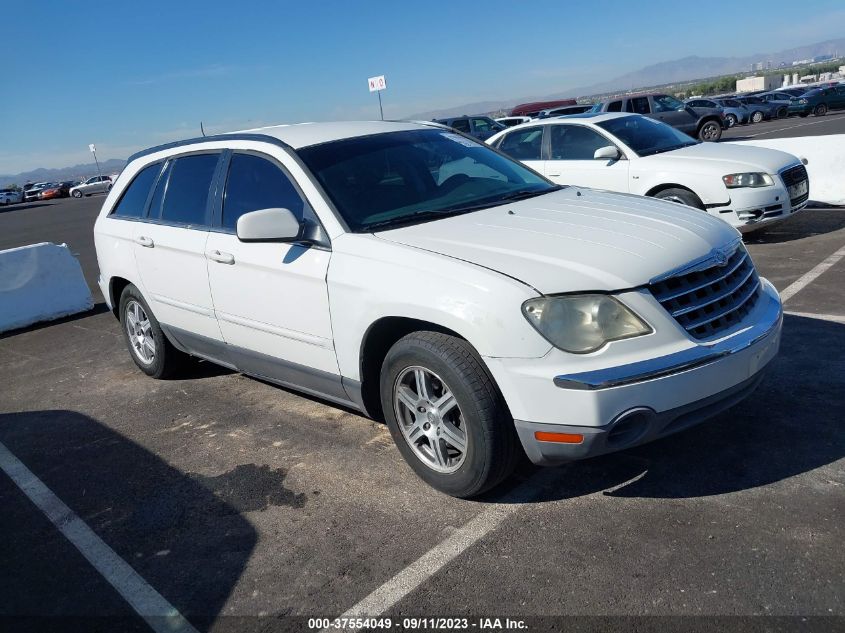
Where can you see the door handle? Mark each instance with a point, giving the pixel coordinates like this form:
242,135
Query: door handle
144,241
220,257
553,175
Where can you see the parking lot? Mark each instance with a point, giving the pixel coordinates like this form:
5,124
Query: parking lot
232,498
832,123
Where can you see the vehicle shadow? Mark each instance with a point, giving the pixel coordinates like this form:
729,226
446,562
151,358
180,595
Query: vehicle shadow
99,308
808,223
792,424
185,534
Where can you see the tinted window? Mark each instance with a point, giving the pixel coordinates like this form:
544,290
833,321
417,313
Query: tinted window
131,204
575,142
462,125
665,103
523,144
614,106
384,180
484,125
638,105
187,189
255,183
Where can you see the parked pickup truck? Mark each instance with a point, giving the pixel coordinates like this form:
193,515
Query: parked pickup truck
705,124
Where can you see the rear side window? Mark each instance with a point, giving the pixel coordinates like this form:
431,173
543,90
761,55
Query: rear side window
638,105
614,106
187,189
462,125
523,144
256,183
133,200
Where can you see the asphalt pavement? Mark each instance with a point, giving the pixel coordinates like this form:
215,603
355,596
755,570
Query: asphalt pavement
245,505
832,123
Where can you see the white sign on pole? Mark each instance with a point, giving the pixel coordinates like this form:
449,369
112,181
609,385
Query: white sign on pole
92,148
377,83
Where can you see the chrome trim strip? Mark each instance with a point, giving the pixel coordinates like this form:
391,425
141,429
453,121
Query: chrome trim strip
709,282
189,307
725,312
702,263
679,361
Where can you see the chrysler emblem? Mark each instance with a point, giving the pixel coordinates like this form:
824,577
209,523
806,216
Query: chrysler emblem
721,258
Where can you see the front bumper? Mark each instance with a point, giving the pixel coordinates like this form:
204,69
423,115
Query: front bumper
624,405
753,208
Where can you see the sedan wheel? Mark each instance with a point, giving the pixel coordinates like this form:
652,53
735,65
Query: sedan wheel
757,117
820,110
731,119
77,194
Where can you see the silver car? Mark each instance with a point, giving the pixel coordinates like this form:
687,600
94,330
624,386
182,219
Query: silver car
10,196
95,184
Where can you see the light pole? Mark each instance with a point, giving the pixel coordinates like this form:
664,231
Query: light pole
94,151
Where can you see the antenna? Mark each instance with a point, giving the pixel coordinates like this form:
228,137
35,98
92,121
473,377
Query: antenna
202,129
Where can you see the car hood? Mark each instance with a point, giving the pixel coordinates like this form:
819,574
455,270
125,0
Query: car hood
574,239
726,158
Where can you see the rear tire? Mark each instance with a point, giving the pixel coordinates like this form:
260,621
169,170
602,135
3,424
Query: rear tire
782,112
710,131
820,110
756,117
486,448
731,119
77,194
148,346
680,196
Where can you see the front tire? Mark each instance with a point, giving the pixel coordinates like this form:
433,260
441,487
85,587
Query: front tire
680,196
446,414
148,346
711,131
77,194
782,112
756,117
731,119
820,110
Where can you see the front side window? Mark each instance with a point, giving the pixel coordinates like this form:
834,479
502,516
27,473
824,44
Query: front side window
187,189
385,180
524,144
614,106
575,142
646,136
133,200
255,183
666,103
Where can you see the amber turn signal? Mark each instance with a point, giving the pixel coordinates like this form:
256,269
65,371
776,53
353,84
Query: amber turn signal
563,438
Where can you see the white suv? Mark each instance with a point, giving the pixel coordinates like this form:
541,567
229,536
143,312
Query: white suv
420,276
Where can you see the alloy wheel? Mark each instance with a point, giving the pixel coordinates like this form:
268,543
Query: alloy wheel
430,419
140,332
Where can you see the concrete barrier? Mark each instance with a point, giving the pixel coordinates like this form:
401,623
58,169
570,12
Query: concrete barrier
40,282
825,159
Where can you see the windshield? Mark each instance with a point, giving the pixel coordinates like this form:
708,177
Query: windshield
396,178
646,136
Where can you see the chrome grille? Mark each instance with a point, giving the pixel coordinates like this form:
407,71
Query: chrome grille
708,302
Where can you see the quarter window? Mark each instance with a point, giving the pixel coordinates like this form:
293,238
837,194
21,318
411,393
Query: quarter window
638,105
575,142
187,189
133,200
255,183
524,144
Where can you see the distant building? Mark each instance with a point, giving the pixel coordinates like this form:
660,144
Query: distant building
757,66
822,58
749,84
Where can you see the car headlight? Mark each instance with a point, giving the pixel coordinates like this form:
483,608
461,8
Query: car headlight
582,323
802,101
751,179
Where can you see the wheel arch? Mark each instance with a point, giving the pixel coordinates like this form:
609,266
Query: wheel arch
116,287
379,337
668,185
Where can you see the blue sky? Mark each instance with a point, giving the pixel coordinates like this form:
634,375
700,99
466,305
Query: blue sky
128,75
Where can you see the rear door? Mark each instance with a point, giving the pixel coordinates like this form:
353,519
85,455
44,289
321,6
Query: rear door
271,298
571,161
170,251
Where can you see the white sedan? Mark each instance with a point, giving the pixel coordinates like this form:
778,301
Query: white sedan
748,187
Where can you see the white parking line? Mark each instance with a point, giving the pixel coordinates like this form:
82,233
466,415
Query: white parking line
161,616
791,127
807,278
459,541
835,318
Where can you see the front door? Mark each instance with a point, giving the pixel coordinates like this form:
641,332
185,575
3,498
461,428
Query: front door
170,251
271,299
571,159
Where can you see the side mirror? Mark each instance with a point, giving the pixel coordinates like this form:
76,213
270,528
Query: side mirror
610,152
269,225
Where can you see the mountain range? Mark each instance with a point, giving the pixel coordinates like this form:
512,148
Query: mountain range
77,172
679,70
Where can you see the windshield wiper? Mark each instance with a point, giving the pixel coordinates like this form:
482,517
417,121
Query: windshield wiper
527,193
411,218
